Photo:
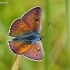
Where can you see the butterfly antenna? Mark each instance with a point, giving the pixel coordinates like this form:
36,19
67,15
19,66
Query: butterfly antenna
45,28
47,41
43,31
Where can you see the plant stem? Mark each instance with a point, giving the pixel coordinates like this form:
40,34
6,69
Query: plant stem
47,48
68,19
16,63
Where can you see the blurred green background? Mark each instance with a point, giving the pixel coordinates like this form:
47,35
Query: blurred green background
56,56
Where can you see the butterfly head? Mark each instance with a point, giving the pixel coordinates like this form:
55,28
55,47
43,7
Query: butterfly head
40,37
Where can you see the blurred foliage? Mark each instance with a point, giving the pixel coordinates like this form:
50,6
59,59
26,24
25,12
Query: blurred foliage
59,54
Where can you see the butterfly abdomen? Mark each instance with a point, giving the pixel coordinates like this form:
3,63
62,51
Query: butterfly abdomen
19,39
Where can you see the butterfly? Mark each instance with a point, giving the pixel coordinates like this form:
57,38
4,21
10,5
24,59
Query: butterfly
25,31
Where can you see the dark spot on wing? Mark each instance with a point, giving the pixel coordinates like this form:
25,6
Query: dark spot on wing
36,25
38,50
36,19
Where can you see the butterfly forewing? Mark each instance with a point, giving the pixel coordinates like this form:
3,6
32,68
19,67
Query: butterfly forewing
33,18
18,28
29,23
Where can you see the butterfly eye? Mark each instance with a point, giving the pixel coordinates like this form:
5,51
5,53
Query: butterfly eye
40,37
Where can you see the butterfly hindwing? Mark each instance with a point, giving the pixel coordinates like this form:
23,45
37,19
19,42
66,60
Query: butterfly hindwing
35,51
18,47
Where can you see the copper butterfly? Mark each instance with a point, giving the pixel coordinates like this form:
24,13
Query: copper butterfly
25,31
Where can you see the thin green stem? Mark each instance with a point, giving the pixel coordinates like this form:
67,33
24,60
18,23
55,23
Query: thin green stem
47,47
68,19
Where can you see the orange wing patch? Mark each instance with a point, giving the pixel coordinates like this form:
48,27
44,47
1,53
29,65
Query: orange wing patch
18,47
18,28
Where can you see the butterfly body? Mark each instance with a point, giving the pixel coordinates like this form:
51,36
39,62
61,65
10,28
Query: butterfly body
26,32
29,38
